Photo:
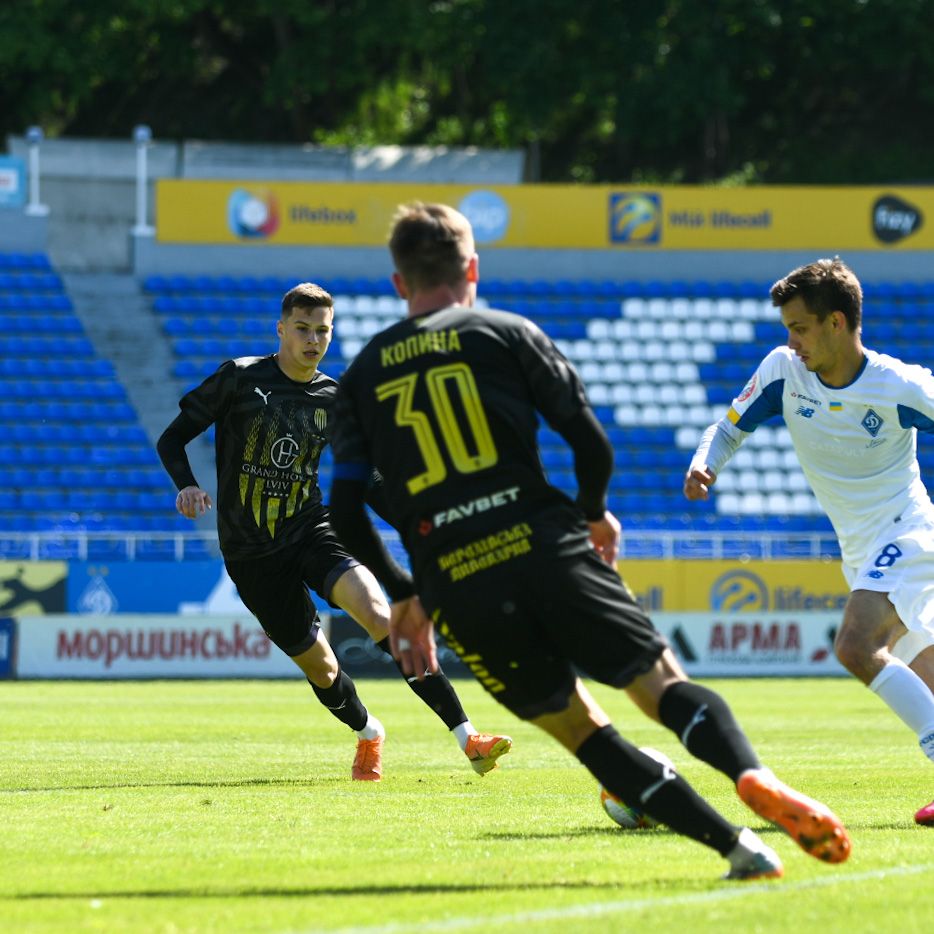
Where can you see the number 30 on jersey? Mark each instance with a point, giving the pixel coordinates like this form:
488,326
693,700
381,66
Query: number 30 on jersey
441,382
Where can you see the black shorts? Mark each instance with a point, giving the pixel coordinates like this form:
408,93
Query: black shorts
275,587
527,626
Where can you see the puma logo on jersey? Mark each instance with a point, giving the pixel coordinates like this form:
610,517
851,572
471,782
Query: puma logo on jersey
265,395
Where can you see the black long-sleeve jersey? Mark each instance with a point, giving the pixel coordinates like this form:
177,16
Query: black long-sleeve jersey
444,406
269,435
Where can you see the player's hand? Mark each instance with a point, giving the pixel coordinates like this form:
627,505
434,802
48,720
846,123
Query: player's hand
412,638
604,535
697,482
192,502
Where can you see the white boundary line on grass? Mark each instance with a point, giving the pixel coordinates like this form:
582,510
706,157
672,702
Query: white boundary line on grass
600,909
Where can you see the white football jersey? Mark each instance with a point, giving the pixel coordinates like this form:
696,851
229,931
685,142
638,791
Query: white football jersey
857,444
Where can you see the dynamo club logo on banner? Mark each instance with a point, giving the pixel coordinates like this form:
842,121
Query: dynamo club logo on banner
252,214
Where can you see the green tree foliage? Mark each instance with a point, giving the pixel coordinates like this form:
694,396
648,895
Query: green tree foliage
840,91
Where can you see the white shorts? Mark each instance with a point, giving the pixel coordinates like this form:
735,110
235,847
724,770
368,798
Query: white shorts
903,568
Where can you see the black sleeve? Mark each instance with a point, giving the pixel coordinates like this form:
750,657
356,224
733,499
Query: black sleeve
376,496
356,532
593,460
171,448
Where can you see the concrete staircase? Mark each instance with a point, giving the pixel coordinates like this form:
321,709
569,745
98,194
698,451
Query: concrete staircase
118,320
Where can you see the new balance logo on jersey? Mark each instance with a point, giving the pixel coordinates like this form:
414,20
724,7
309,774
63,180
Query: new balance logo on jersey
804,411
265,395
872,422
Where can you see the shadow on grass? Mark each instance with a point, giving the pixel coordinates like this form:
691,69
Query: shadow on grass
378,891
611,831
234,783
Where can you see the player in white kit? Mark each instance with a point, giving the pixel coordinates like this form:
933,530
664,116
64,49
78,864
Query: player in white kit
853,416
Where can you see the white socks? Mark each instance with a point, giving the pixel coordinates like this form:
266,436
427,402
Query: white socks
910,699
371,729
461,733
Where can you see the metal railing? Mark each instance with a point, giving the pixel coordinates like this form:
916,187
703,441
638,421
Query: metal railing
182,546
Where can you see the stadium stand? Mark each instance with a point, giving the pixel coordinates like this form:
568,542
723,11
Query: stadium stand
661,360
75,457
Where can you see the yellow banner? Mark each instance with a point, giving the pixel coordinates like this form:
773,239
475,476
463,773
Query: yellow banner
32,587
736,586
552,216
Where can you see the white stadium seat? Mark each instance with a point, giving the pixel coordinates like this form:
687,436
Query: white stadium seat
681,309
599,328
728,504
389,305
742,332
670,330
686,438
752,504
624,329
614,372
778,504
599,394
768,459
626,415
695,330
669,394
590,371
645,394
679,351
725,309
797,482
772,481
654,350
702,352
804,504
719,331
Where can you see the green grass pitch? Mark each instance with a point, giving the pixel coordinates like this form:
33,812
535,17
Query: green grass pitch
228,806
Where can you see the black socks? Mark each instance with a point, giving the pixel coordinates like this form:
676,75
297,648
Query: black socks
642,782
341,699
707,728
436,691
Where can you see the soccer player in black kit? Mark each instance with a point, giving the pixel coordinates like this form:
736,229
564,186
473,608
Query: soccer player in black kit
519,579
273,417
